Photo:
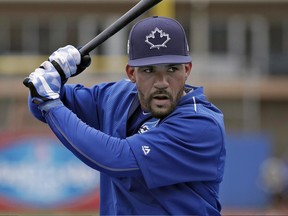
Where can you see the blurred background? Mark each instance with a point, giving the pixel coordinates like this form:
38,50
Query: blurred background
240,55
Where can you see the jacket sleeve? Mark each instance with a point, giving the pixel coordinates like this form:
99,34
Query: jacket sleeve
34,110
80,100
98,150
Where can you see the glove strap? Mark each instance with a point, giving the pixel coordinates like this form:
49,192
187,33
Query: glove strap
59,70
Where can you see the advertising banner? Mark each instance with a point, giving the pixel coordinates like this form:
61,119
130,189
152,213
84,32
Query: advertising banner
38,174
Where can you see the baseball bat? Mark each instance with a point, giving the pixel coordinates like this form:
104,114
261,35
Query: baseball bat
124,20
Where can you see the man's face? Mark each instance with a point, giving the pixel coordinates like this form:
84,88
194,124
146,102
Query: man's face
160,87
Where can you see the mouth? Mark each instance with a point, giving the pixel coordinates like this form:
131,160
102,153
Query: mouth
161,100
161,97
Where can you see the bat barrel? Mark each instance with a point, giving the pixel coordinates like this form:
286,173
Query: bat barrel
124,20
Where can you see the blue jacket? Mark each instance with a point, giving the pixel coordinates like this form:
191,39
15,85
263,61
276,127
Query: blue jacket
174,168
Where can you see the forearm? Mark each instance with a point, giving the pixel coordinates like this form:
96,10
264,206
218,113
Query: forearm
107,154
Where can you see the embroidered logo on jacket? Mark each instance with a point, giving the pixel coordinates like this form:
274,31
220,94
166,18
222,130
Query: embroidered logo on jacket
157,39
147,126
146,149
144,128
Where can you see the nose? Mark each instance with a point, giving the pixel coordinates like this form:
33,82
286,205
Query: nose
161,80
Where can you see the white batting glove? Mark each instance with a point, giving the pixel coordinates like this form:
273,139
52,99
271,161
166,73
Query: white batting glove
44,83
69,62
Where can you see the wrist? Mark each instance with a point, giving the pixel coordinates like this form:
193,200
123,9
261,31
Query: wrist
48,105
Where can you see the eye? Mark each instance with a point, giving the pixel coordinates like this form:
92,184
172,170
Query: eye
172,69
147,69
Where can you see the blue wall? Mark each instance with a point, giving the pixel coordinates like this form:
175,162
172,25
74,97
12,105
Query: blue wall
241,187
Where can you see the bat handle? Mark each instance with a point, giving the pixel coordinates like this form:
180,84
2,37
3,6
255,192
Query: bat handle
124,20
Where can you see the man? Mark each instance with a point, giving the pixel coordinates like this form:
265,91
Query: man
158,143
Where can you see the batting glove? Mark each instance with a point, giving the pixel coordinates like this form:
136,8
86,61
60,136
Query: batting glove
69,62
44,83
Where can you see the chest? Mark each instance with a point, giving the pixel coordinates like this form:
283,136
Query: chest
140,122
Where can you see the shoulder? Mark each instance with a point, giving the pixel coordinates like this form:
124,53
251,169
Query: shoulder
195,103
124,85
195,114
105,87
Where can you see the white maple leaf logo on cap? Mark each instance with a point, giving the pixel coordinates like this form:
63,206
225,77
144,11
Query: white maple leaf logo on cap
157,39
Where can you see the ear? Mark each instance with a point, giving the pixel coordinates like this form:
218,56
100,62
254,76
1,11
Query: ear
188,68
130,71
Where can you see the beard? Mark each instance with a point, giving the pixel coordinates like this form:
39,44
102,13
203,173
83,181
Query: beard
159,111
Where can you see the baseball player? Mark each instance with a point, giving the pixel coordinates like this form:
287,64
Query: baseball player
157,141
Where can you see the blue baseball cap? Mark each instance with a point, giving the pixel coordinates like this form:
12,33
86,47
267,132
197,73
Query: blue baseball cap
157,40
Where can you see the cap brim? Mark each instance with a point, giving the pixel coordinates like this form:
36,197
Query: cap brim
155,60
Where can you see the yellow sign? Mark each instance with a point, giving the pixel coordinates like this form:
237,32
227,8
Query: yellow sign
165,8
